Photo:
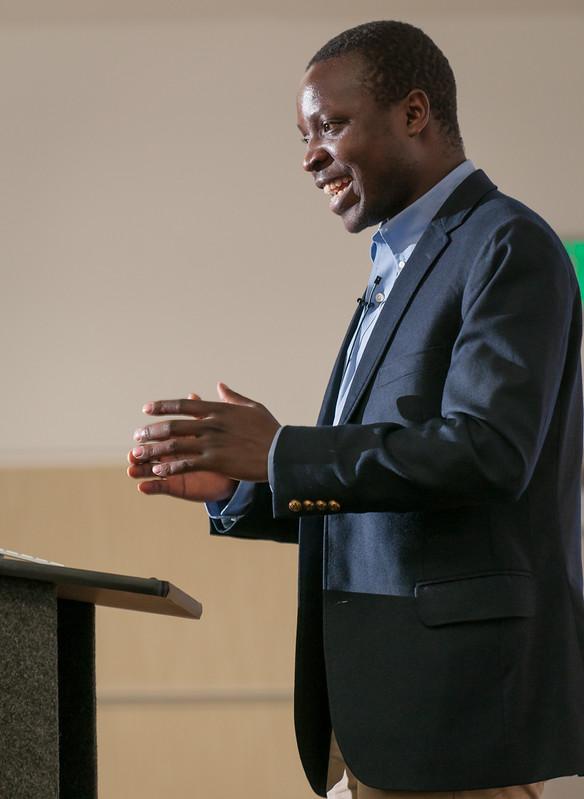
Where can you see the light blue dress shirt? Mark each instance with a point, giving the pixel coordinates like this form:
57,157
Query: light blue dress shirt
391,246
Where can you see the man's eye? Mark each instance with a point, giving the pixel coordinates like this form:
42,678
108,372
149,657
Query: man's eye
327,127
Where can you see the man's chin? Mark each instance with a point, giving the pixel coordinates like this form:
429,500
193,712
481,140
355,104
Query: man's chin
354,221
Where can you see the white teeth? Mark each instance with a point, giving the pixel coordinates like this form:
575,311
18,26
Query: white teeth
335,186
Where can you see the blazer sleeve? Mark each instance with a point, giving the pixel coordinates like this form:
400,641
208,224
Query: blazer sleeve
520,305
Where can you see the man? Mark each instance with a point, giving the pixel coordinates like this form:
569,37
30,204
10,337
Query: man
441,623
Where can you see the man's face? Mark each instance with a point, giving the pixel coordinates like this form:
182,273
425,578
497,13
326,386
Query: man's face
358,152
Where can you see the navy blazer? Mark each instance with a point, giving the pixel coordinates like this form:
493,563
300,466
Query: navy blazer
441,617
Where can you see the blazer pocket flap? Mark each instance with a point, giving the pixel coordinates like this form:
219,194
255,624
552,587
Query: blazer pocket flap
475,598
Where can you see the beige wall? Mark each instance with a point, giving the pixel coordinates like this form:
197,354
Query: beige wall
158,234
156,224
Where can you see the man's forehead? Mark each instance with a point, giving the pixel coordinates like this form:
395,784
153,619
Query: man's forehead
334,80
340,71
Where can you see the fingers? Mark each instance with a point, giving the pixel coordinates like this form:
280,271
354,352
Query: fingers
165,466
182,407
169,453
154,487
228,395
138,471
175,429
197,487
195,406
176,467
166,450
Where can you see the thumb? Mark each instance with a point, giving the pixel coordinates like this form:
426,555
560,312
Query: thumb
227,394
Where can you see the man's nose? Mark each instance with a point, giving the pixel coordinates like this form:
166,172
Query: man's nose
315,159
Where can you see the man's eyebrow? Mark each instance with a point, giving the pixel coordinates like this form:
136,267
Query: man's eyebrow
312,116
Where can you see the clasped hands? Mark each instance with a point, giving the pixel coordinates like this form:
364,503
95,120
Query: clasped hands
204,457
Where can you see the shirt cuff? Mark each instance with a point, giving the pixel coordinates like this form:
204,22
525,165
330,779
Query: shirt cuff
271,478
226,513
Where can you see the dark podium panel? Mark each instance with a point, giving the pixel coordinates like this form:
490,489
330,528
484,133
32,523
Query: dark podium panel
47,671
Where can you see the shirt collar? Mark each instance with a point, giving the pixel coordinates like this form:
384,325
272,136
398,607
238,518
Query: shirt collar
406,228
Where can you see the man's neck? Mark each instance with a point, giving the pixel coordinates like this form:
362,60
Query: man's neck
437,171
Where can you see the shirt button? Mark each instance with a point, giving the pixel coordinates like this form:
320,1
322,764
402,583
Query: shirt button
401,265
321,505
334,506
295,505
379,297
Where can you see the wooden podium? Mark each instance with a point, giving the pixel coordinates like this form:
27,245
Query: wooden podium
47,671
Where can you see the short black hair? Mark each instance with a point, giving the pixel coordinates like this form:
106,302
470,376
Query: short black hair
400,58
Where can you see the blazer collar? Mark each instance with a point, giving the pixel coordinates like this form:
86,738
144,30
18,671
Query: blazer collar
463,200
436,237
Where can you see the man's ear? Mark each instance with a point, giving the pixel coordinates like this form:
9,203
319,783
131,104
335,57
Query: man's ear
417,107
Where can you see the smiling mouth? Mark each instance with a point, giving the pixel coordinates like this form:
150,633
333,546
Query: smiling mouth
337,186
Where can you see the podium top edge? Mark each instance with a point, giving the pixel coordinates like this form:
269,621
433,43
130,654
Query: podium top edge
61,575
102,588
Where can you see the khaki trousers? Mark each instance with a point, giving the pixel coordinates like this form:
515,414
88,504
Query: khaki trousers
342,784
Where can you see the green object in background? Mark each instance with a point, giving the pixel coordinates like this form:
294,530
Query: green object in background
575,248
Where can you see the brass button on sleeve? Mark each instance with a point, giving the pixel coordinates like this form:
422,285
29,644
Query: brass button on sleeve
295,505
334,506
308,505
320,505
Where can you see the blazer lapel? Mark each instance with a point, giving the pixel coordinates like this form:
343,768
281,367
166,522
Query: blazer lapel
434,240
428,249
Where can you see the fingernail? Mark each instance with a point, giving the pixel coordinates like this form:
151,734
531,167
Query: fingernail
148,408
138,452
159,469
138,434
